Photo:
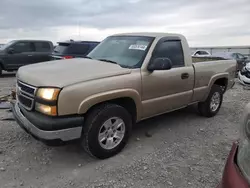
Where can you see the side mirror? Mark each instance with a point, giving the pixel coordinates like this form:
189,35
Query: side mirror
160,64
10,51
245,58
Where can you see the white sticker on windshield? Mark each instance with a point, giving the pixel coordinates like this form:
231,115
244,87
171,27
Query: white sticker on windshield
137,47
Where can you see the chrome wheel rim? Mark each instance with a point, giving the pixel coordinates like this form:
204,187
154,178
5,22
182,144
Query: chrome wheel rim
215,101
111,133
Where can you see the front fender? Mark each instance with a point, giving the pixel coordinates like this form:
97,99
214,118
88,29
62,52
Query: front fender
92,100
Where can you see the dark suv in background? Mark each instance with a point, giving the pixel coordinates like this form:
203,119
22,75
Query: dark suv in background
23,52
73,49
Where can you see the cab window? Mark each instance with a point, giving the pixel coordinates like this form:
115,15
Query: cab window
172,50
22,47
42,47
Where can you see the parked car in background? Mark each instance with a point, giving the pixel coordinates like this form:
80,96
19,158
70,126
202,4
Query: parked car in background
237,169
244,75
73,49
201,53
23,52
134,77
240,59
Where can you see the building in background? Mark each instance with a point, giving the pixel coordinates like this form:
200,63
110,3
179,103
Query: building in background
244,50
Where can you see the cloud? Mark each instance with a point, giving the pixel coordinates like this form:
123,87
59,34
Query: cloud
214,22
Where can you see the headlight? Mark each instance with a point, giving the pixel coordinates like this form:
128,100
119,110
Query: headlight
48,99
46,109
49,94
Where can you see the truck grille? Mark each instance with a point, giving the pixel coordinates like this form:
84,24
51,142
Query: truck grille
25,101
26,95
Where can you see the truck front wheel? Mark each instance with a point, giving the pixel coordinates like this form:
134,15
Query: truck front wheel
211,106
106,130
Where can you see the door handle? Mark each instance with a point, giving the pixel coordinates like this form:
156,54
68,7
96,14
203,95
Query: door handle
30,55
184,75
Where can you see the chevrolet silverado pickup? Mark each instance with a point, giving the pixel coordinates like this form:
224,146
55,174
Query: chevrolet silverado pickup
125,79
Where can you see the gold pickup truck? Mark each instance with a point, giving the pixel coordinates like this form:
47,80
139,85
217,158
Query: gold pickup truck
125,79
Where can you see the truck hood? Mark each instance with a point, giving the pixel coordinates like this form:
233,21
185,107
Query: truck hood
61,73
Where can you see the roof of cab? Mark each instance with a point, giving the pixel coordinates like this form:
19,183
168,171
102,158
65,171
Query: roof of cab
149,34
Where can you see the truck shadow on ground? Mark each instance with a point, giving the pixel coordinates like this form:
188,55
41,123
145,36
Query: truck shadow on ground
166,120
73,154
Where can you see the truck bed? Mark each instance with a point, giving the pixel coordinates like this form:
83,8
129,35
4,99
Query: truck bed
202,59
204,72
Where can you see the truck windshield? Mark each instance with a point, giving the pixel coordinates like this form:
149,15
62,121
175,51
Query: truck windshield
127,51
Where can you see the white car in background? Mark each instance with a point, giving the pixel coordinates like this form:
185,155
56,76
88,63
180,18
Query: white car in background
244,75
201,53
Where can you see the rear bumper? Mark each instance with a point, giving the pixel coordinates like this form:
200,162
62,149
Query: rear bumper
232,177
64,134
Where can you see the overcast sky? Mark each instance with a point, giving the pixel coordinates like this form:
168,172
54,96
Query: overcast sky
203,22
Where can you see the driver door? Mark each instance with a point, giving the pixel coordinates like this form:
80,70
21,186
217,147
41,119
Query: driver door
166,90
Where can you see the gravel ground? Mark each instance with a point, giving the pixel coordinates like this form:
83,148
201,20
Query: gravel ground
179,149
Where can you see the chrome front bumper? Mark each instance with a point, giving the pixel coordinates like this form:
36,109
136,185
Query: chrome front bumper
63,135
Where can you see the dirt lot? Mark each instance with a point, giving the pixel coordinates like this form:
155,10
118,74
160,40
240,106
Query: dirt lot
183,150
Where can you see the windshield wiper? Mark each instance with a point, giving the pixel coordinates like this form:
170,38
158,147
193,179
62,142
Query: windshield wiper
87,57
109,61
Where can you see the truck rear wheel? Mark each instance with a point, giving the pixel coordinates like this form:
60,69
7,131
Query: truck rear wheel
211,106
106,130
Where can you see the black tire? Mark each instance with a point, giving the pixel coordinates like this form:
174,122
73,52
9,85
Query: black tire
1,71
204,107
94,121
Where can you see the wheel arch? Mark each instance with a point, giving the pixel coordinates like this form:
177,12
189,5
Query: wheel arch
218,79
129,99
223,82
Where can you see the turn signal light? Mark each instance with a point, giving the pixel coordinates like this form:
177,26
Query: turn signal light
45,109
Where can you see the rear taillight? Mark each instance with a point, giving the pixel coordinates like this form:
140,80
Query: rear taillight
67,57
